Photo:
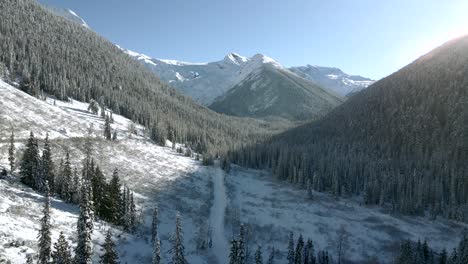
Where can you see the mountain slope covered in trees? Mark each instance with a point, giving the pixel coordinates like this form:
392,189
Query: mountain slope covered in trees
50,54
401,143
272,90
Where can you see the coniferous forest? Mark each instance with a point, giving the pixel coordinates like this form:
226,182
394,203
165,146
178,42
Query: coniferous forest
392,157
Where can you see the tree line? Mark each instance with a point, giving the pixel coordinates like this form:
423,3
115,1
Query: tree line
47,54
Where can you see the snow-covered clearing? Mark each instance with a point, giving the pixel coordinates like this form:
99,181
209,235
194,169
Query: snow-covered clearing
220,244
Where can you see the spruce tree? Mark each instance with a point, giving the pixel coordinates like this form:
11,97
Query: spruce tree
132,211
48,164
299,250
241,246
115,197
233,254
110,255
65,191
29,259
11,152
154,225
61,254
44,236
178,244
107,129
309,252
258,255
83,250
443,258
156,251
29,164
291,255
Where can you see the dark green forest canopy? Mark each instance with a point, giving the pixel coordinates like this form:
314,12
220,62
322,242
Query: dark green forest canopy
50,54
401,143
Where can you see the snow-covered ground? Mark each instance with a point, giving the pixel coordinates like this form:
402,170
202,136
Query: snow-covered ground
160,176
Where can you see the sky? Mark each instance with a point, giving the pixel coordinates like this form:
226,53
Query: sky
364,37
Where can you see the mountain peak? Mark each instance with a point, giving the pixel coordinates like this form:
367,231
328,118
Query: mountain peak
67,14
235,58
262,59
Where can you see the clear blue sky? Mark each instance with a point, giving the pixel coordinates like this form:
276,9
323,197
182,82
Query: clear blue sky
370,38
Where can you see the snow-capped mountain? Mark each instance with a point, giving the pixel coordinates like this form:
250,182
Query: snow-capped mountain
68,14
333,79
257,86
204,82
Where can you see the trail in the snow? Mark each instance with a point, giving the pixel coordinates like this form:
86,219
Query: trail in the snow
220,246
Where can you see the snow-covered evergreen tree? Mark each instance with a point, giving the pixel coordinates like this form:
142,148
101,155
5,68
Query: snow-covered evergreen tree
132,214
107,128
178,244
61,254
299,250
156,251
44,237
110,255
83,250
154,225
29,165
233,253
48,164
291,254
11,152
258,255
241,245
115,197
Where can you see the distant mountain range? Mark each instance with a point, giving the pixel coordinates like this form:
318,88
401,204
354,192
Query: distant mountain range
252,87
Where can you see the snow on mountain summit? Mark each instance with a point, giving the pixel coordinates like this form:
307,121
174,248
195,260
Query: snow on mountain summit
67,14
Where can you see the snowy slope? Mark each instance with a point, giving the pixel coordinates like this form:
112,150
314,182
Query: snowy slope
202,195
67,14
333,78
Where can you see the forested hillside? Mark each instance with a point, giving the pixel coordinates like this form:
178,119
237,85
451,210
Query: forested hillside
49,54
401,143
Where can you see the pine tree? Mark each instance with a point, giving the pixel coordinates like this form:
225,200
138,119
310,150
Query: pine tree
309,252
48,164
110,255
66,179
258,255
156,251
61,254
75,187
115,197
299,249
233,254
291,256
29,165
271,258
107,129
11,152
133,216
241,246
44,236
83,250
178,244
443,258
406,253
154,225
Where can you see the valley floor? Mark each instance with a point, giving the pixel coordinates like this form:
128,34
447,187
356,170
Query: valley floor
211,202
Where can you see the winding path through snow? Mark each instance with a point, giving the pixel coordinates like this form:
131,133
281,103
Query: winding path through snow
220,246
